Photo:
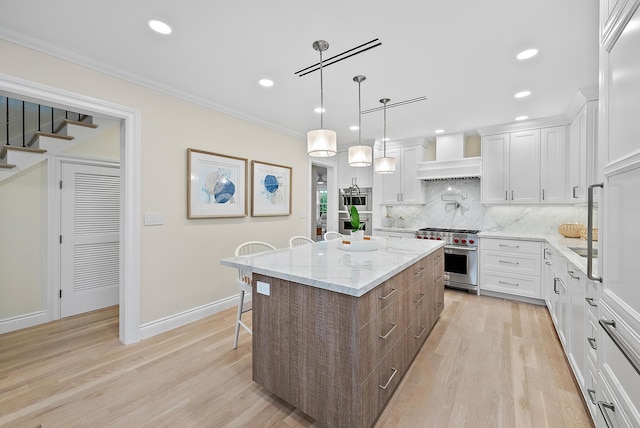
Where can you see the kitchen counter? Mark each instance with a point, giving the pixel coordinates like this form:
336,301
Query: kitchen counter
324,265
558,241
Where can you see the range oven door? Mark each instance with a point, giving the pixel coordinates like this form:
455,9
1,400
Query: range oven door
461,266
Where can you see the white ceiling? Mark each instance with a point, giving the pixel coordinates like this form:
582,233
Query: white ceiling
458,53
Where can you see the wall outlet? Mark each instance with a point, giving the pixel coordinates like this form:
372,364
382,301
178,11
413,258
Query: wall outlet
153,219
263,288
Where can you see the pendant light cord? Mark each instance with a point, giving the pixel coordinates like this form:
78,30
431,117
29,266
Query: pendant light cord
384,134
321,94
359,115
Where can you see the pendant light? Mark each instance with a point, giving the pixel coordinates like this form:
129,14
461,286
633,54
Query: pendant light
385,165
360,156
321,142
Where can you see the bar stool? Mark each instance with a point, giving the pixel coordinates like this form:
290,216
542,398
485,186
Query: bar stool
328,236
299,240
244,281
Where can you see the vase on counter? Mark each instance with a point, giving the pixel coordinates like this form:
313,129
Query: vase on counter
357,235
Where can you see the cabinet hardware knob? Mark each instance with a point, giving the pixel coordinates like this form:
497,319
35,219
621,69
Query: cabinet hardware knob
419,299
590,302
592,343
421,333
592,395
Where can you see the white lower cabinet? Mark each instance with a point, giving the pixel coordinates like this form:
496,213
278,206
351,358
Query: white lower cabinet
510,266
579,343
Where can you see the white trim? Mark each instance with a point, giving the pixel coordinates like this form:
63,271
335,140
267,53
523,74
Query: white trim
130,205
23,321
332,192
581,98
165,324
523,125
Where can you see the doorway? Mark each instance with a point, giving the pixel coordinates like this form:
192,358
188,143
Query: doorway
323,191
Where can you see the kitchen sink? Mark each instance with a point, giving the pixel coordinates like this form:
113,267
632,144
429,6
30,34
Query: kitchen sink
582,252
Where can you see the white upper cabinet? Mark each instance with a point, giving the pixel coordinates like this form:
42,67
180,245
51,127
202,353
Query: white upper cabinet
552,165
582,153
403,187
511,168
349,175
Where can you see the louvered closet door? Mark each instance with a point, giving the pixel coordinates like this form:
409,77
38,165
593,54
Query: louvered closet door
90,248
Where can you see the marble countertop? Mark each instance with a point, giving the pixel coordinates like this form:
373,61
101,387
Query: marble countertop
395,229
324,265
558,241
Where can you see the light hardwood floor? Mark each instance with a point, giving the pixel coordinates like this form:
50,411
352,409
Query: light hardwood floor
488,363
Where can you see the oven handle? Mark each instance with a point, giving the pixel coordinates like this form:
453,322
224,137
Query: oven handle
453,247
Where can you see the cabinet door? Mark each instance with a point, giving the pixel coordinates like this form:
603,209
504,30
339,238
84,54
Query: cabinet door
495,169
564,314
391,182
552,165
524,167
578,336
411,189
578,158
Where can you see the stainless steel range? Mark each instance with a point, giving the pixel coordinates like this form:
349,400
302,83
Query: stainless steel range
460,255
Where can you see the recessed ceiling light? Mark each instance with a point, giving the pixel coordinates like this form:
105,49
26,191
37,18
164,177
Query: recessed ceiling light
266,83
522,94
527,54
439,131
319,110
354,127
159,27
522,117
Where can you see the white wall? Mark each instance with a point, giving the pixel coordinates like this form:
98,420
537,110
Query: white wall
180,267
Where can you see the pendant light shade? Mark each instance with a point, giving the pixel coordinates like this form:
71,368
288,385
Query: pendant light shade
321,142
385,165
360,156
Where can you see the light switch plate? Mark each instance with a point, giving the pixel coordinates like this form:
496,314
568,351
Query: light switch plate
263,288
153,219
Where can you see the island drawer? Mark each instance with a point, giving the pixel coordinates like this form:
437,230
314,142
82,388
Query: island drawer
379,386
380,334
370,304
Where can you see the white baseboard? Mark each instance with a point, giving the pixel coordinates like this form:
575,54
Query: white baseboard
162,325
23,321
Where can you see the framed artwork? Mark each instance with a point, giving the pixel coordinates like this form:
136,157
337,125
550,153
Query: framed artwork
271,189
216,185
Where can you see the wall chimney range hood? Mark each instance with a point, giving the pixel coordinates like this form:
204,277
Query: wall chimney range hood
450,162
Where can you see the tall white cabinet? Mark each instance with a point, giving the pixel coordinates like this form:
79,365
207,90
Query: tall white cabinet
525,165
618,353
403,187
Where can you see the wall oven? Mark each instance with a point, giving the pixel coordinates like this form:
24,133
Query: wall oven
357,197
460,255
345,224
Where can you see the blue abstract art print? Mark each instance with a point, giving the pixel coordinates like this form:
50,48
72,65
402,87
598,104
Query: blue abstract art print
217,185
271,190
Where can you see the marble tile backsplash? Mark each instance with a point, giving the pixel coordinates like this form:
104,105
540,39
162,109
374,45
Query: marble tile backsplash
457,204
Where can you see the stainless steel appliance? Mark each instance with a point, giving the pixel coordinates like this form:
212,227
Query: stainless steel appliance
359,197
460,255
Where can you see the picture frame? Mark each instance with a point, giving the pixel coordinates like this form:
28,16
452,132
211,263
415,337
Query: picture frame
270,189
216,185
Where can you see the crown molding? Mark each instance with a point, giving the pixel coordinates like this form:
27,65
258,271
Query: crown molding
102,67
523,125
583,96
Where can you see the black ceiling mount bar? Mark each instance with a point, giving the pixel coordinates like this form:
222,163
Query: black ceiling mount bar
399,103
339,57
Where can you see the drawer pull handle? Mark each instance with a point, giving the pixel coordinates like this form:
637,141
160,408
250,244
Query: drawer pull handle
419,299
393,290
604,408
394,325
590,302
572,274
548,263
592,395
390,379
509,262
509,283
627,351
421,333
592,342
419,271
555,285
510,246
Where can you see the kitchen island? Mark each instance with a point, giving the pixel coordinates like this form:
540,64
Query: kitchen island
334,331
